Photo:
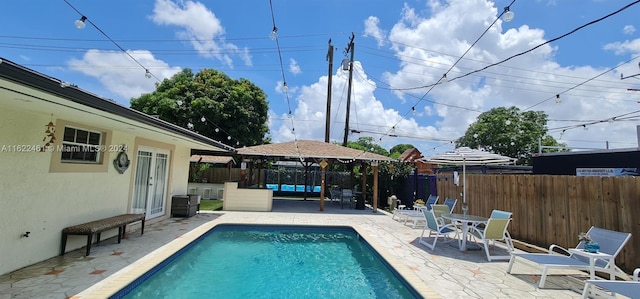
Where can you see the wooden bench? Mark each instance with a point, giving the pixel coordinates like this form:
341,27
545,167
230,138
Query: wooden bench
96,227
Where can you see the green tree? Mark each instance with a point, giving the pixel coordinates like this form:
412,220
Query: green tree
367,144
234,111
509,132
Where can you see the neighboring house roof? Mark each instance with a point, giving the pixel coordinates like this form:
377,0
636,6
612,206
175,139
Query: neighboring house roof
25,86
410,155
310,149
211,159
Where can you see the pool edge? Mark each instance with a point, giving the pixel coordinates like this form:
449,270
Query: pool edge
115,282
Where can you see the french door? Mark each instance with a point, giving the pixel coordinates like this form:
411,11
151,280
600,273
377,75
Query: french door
150,185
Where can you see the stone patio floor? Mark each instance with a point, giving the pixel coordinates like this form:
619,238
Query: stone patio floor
445,272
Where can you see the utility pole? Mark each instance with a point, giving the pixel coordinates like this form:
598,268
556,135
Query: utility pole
327,125
348,50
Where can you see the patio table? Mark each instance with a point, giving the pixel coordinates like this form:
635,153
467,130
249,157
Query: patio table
465,220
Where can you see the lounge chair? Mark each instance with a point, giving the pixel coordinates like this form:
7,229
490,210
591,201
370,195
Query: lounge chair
416,212
611,243
495,230
438,211
436,228
609,289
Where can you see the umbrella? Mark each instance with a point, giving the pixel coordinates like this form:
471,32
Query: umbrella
466,156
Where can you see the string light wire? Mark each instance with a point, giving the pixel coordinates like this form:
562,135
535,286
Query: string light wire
86,19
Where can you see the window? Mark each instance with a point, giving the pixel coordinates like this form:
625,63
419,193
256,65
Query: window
81,146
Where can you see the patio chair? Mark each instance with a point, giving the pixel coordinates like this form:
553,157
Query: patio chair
335,194
495,230
451,203
346,197
611,243
415,214
609,289
436,228
431,200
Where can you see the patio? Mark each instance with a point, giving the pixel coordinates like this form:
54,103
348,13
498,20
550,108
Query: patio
445,272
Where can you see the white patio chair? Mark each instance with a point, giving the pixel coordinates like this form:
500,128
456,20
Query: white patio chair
609,289
611,243
495,230
436,228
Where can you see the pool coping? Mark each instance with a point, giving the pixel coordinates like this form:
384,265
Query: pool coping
127,275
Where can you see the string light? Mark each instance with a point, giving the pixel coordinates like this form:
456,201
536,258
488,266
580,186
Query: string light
507,14
80,22
558,100
203,119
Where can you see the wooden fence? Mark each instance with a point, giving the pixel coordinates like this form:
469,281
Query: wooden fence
549,209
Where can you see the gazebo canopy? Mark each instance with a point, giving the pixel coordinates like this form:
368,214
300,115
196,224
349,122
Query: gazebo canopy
302,150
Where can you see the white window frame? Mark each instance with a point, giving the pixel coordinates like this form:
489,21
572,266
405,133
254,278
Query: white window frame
97,148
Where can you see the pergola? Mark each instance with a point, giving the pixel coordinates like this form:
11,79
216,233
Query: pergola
309,152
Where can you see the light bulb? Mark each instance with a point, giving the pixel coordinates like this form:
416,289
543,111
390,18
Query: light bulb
179,102
228,137
203,119
147,74
190,125
80,23
508,122
274,33
413,110
217,130
508,15
558,100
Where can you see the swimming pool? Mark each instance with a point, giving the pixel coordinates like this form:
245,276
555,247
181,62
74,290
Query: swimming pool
267,261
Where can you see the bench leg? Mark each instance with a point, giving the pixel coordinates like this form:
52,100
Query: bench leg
63,245
89,237
120,233
98,240
142,228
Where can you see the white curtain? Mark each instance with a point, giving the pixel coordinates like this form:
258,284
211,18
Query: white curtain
141,185
160,175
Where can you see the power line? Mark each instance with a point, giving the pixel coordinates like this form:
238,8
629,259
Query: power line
444,76
85,19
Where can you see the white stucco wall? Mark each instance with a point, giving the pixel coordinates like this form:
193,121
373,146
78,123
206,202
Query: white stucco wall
34,199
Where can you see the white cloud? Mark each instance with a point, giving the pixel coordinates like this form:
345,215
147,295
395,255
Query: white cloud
626,47
120,74
629,29
367,113
438,38
371,29
200,27
294,68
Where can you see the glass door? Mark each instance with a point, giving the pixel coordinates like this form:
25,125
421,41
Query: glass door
150,184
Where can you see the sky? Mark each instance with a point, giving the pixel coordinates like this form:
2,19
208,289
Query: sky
401,49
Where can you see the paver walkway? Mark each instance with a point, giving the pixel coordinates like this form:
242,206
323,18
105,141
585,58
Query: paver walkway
445,272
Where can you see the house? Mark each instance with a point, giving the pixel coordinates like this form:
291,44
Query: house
68,157
413,156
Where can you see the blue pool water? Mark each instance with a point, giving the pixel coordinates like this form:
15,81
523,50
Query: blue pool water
242,261
293,188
